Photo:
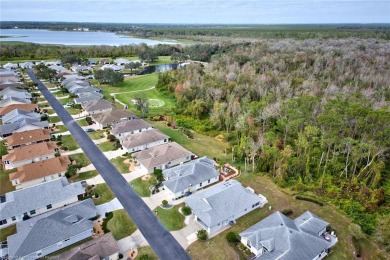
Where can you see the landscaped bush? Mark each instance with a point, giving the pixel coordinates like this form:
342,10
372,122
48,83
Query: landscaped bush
95,218
202,234
357,246
287,212
109,216
164,203
232,237
111,138
186,132
186,210
310,200
89,120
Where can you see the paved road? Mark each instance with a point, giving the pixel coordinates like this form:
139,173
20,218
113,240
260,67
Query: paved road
162,242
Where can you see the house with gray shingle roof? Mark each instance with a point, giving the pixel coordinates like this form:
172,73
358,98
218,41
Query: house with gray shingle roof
22,204
15,93
143,140
111,117
97,106
25,125
163,156
222,204
13,101
89,96
190,177
18,115
130,127
53,231
104,247
279,237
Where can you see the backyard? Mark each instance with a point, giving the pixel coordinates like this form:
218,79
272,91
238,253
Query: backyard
121,225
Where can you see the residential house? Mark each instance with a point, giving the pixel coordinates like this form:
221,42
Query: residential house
104,61
32,201
186,178
7,73
81,68
279,237
221,205
86,97
163,156
130,127
121,61
111,117
78,82
24,125
18,115
92,62
96,106
28,138
26,65
53,231
24,107
12,101
113,67
4,80
6,84
35,173
15,93
104,247
50,63
143,140
10,66
58,68
29,154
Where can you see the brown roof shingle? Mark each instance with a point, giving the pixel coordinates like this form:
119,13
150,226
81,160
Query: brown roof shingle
28,136
24,107
109,117
30,151
41,169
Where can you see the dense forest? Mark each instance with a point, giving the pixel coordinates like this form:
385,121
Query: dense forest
312,114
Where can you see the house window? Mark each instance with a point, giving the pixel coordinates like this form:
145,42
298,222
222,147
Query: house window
200,184
3,222
13,218
59,175
49,206
208,181
39,253
6,162
32,212
67,239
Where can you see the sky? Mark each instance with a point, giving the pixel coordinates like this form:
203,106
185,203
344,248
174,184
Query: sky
198,11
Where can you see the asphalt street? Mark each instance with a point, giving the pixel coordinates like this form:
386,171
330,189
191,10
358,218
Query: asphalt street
162,242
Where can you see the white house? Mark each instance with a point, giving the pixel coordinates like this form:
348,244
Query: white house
53,231
38,199
189,177
130,127
143,140
111,117
222,204
97,106
279,237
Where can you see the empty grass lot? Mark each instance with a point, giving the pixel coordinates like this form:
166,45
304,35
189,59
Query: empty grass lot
106,146
84,176
121,225
68,141
120,165
134,83
80,159
105,194
172,219
142,187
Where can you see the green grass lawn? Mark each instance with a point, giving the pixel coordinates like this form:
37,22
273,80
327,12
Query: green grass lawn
96,134
106,146
105,194
121,225
146,252
54,119
84,176
73,111
80,158
132,84
63,101
120,165
201,145
61,128
5,183
162,60
6,232
68,141
142,187
82,122
172,219
3,148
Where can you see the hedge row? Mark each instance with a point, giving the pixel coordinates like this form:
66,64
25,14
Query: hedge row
310,200
109,216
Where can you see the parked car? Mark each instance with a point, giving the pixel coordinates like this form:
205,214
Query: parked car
89,130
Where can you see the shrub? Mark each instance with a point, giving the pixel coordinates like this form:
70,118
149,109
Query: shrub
232,237
202,234
186,211
111,138
109,215
310,200
287,212
120,255
357,246
145,257
158,175
96,195
241,247
165,203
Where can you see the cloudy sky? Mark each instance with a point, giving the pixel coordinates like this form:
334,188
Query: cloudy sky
198,11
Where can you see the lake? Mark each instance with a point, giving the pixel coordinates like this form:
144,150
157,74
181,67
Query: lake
73,37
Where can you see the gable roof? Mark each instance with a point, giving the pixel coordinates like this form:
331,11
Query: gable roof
28,136
112,116
222,202
181,177
98,104
310,223
17,115
48,229
8,100
283,238
38,196
40,169
30,151
132,125
145,137
101,247
87,97
25,107
158,155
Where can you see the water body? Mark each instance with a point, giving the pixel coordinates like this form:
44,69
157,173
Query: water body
161,68
73,37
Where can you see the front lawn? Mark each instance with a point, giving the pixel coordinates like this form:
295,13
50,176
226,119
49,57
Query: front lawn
82,122
84,176
60,129
69,142
54,119
73,111
3,148
105,194
6,232
120,165
146,252
80,158
172,219
96,134
107,146
63,101
121,225
142,186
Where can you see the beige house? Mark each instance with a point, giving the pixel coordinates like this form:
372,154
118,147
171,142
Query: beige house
29,154
28,138
111,117
35,173
144,140
97,106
